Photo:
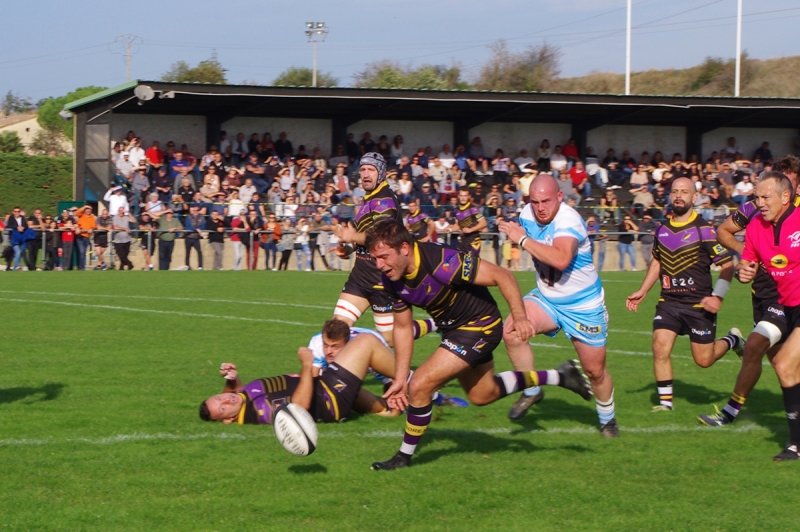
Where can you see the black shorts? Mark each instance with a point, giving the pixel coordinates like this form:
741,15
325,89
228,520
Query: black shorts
476,341
335,390
792,320
696,322
465,245
772,312
152,242
101,239
365,281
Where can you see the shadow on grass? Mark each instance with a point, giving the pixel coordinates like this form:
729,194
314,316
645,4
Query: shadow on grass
692,393
551,409
51,391
308,469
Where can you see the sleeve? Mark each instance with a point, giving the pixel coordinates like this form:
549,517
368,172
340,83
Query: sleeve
457,268
315,344
749,253
571,226
719,254
744,214
656,246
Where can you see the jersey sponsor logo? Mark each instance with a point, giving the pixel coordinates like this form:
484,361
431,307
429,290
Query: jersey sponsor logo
588,329
686,237
665,281
459,349
779,261
466,270
794,238
719,249
776,311
700,333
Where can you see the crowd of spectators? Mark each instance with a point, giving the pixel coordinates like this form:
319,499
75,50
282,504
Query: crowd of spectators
260,193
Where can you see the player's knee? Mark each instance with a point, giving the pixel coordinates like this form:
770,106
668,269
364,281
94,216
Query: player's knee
704,360
420,390
786,370
479,398
511,338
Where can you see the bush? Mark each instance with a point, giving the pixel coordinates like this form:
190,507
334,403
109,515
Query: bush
32,181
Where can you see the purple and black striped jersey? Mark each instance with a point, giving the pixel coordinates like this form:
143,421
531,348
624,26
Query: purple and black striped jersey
263,396
468,216
686,252
380,204
417,223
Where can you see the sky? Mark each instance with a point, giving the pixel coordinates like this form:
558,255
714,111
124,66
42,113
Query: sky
55,50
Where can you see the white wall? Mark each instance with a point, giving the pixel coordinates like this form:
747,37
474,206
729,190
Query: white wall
415,134
512,137
311,133
636,139
749,139
189,130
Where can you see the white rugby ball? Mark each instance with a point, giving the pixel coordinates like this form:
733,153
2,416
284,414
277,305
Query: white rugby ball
295,429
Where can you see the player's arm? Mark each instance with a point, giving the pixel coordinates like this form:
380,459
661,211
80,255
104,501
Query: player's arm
748,266
305,388
431,230
489,274
232,381
726,235
403,336
558,255
653,272
478,227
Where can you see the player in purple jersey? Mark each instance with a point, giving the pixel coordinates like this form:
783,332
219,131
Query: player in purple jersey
470,222
769,318
419,223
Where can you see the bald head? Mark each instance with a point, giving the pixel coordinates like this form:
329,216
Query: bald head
544,184
683,182
545,198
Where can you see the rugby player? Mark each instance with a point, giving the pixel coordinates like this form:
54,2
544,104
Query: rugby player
452,287
328,397
568,295
470,222
685,247
418,223
363,287
773,239
769,318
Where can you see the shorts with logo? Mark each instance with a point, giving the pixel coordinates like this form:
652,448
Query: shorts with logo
335,390
771,311
696,322
587,326
475,341
365,281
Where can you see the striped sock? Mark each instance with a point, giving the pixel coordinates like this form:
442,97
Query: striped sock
734,406
731,340
665,393
513,381
417,420
422,327
605,410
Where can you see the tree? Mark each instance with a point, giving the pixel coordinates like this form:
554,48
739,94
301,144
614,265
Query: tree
303,77
208,71
13,103
48,111
534,69
49,141
10,142
388,74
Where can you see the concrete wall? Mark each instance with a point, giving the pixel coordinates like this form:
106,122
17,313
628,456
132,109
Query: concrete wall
415,134
636,139
312,133
512,137
749,139
189,130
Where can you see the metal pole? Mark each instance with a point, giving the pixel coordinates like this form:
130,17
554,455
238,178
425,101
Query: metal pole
738,48
128,59
628,52
314,70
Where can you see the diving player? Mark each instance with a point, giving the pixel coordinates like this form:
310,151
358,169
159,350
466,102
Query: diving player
769,317
685,248
470,222
568,296
452,287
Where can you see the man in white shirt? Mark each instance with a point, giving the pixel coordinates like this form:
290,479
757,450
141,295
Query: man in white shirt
125,167
136,152
558,162
446,157
224,143
115,200
523,159
437,170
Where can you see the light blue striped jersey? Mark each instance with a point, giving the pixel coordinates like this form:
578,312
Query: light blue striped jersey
315,344
578,287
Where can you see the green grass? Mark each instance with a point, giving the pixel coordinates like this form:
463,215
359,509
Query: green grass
99,426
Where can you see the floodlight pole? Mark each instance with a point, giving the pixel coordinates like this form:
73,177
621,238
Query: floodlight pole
316,32
628,52
738,49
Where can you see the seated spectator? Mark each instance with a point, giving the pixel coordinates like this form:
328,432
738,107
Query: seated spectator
301,154
124,173
543,153
446,189
247,190
383,148
476,149
494,191
570,151
513,189
615,174
558,163
427,200
580,179
594,169
609,207
764,153
627,163
219,205
447,157
183,198
523,160
567,189
366,144
743,191
339,157
437,170
509,210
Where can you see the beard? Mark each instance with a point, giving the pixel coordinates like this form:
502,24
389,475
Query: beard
683,209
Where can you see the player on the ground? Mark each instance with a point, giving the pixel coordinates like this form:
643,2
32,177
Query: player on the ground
568,296
363,287
419,223
328,397
470,222
452,287
685,248
769,318
335,334
773,239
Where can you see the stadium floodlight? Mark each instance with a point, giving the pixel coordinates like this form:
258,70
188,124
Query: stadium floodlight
316,32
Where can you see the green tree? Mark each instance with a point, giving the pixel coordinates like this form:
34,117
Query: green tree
48,112
13,103
49,141
388,74
208,71
533,69
10,142
303,77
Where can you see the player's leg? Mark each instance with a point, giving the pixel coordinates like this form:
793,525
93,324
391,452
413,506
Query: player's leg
663,341
787,367
363,352
349,308
593,363
368,403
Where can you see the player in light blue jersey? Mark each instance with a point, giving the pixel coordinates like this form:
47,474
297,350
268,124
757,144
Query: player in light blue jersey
568,296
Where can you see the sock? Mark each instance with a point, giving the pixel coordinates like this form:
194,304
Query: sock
665,393
735,403
417,420
605,410
731,340
791,400
422,327
513,381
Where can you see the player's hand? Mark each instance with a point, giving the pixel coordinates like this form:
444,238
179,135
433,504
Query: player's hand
523,327
711,304
634,299
513,230
397,395
343,251
347,233
746,271
306,356
228,370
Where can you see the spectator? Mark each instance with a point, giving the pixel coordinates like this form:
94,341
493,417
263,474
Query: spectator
647,229
446,189
34,245
239,150
286,244
216,237
270,237
51,244
87,223
180,167
66,225
476,149
730,150
627,164
500,167
122,237
523,160
224,144
543,153
247,190
211,183
141,188
625,241
283,147
764,153
339,157
105,224
436,170
136,152
447,158
183,198
17,225
318,239
238,228
725,177
147,226
255,171
570,151
250,238
609,206
567,189
162,185
427,200
301,244
194,225
168,226
615,175
743,191
594,169
115,199
580,179
558,163
235,205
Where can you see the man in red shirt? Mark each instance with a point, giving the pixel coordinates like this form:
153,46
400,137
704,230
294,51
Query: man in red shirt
154,156
570,151
773,239
581,180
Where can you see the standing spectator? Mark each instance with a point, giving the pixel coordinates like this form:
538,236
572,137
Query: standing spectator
168,225
625,242
251,238
396,150
51,244
301,244
87,223
115,199
283,147
194,225
286,245
318,239
36,223
239,238
269,242
17,225
239,150
225,146
122,237
216,237
148,240
66,224
141,188
352,150
647,228
104,225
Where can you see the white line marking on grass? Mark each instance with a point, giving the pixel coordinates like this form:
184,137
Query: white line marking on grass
638,353
154,311
376,434
235,301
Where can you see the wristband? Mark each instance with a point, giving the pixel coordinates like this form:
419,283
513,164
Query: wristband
721,288
522,240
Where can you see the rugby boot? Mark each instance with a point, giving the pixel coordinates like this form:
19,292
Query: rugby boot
610,429
522,405
789,453
395,462
739,349
573,379
717,419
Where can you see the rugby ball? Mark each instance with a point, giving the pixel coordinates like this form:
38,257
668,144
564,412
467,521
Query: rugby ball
295,429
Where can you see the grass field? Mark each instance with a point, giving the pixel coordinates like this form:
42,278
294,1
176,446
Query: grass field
104,373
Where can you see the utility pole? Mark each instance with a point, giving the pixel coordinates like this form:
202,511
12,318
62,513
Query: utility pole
628,52
316,32
738,49
129,40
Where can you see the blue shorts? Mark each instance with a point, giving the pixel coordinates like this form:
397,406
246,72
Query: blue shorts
587,326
